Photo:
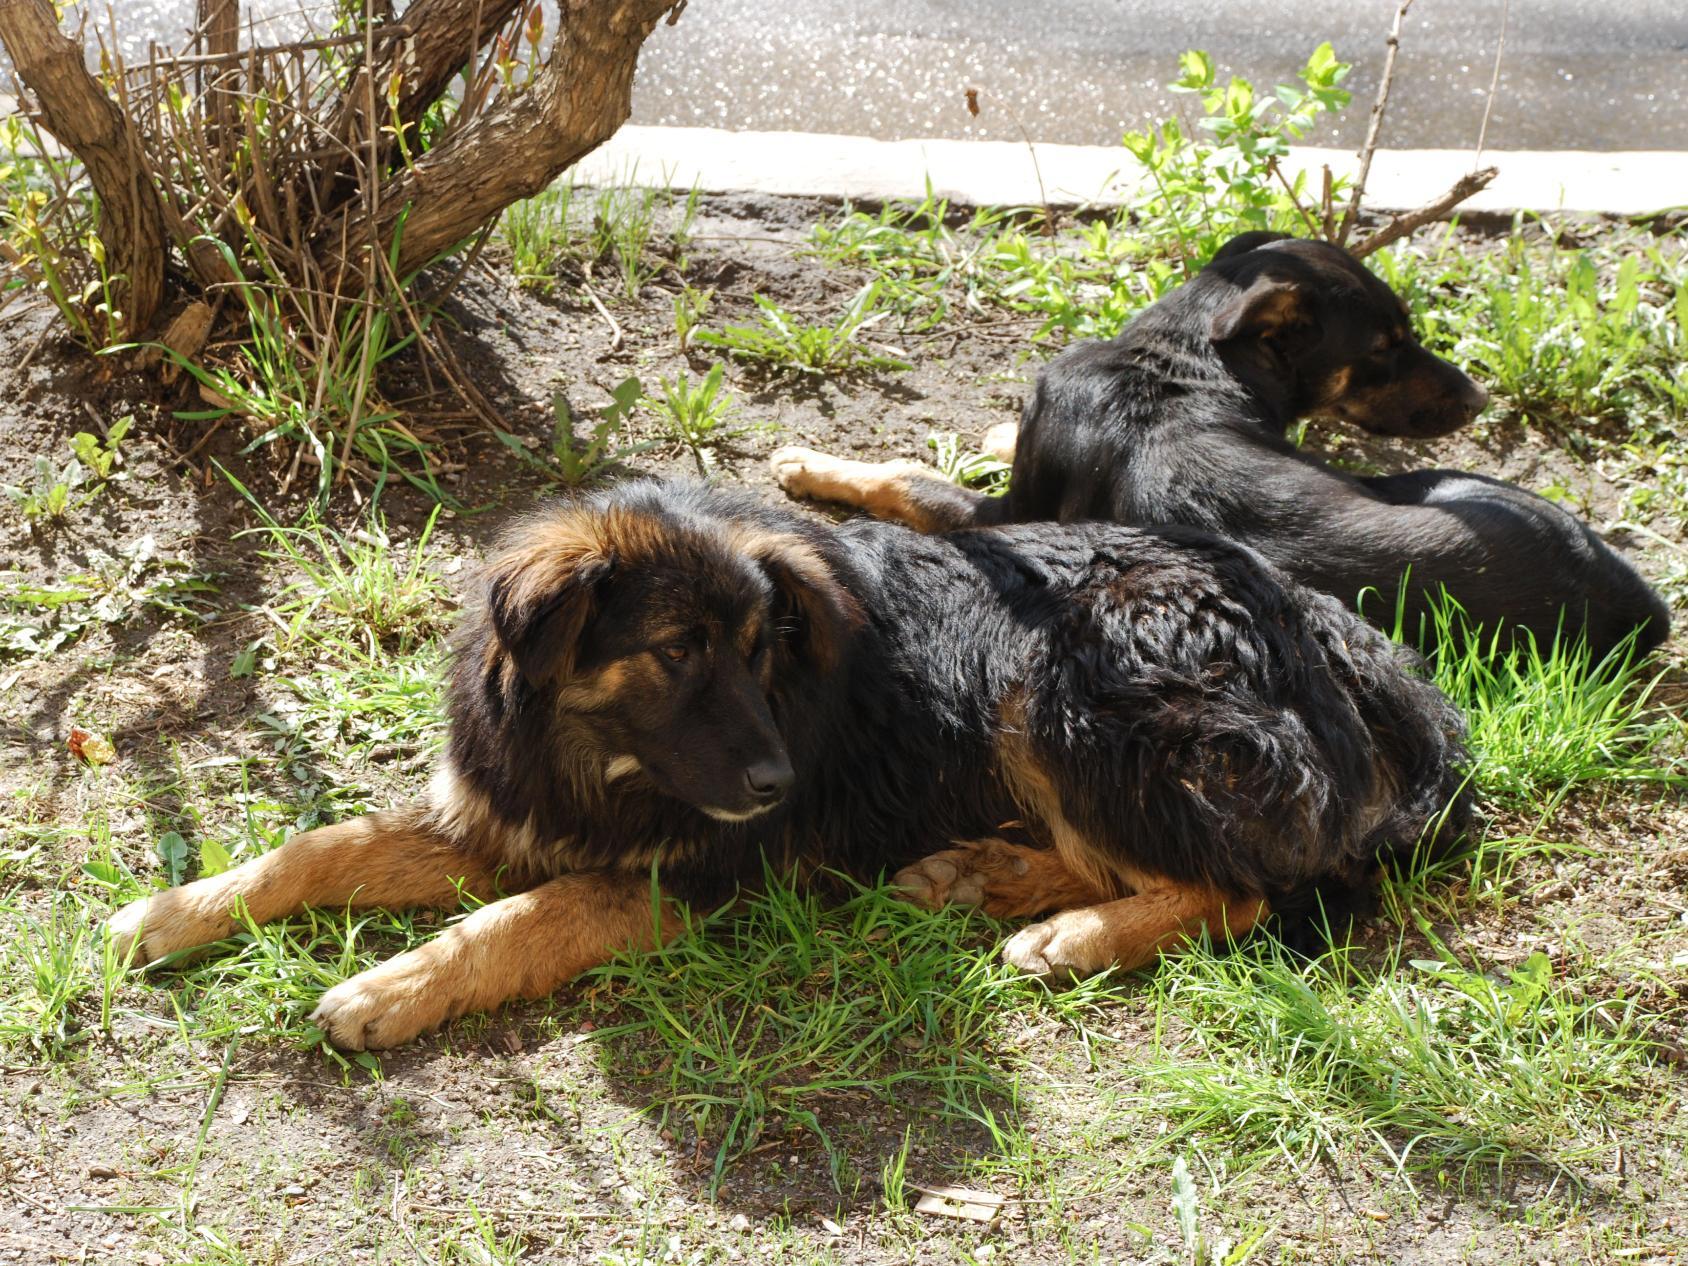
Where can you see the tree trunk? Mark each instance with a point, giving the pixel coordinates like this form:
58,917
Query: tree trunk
519,146
76,110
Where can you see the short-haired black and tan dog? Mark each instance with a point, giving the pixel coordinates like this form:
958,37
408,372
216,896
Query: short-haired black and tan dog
1181,419
685,678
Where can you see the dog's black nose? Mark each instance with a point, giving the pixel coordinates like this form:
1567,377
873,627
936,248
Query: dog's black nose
769,779
1475,397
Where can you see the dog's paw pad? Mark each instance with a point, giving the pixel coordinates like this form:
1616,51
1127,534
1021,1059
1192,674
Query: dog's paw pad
927,882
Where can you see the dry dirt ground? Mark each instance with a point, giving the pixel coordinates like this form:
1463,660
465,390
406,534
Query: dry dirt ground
520,1137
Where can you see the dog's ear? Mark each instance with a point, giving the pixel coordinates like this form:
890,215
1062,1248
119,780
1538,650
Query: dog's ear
542,594
1269,306
818,612
1243,243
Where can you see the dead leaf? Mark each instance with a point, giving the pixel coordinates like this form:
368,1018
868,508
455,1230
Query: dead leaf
959,1202
186,338
973,102
90,748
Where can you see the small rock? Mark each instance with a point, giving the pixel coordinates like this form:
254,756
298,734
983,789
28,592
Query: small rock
738,1222
101,1171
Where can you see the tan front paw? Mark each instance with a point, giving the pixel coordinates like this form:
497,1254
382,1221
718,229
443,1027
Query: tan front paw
1000,441
1071,944
165,923
800,471
386,1005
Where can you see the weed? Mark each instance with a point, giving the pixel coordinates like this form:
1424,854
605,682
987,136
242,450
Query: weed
353,581
326,403
58,491
1203,194
696,414
782,343
573,461
537,231
691,306
968,468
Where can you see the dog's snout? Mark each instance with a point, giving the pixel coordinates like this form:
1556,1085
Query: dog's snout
769,779
1474,397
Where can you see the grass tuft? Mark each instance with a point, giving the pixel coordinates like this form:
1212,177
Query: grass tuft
770,1008
1433,1062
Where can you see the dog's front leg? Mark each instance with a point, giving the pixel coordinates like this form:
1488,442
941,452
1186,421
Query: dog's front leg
521,947
1131,932
396,858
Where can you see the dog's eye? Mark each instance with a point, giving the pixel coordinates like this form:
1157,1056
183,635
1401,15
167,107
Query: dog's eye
675,652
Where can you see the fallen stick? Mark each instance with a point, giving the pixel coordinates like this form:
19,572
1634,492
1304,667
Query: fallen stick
1401,225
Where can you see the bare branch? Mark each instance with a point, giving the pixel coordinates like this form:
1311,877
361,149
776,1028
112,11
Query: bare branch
1401,225
1350,216
1494,82
516,148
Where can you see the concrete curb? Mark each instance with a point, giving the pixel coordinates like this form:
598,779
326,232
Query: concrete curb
997,173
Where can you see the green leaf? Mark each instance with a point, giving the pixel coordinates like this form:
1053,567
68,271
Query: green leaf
1184,1202
214,859
172,850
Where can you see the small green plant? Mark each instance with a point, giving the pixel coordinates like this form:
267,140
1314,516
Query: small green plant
783,344
966,467
355,581
572,460
58,490
697,414
1198,1250
691,306
1202,194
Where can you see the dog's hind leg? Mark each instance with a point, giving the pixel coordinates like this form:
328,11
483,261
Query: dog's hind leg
524,946
903,491
396,858
1131,932
1006,881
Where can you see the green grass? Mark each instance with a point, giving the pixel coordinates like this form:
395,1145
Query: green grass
1433,1064
632,232
767,1010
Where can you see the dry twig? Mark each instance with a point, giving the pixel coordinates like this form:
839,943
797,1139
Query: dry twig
1401,225
1350,216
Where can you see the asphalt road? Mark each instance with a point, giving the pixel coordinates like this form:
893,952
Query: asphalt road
1577,74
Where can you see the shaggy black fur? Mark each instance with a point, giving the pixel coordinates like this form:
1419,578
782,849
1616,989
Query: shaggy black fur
1204,718
1181,419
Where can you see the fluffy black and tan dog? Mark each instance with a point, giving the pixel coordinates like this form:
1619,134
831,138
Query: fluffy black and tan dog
685,678
1181,419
